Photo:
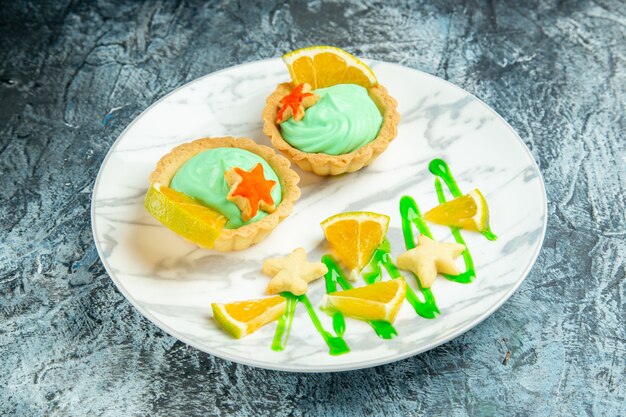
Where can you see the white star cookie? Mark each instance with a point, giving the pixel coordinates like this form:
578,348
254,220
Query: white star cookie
292,273
430,257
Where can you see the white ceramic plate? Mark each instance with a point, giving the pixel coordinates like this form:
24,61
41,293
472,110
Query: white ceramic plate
172,282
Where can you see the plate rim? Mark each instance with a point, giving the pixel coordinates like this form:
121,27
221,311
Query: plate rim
332,368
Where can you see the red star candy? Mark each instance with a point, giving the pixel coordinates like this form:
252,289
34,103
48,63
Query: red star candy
294,103
250,191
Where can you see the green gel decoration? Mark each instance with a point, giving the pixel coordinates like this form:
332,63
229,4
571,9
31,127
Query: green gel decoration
427,308
336,344
334,276
383,329
439,168
489,234
284,323
410,215
469,274
339,324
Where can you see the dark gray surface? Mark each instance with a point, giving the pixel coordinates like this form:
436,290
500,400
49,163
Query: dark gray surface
74,74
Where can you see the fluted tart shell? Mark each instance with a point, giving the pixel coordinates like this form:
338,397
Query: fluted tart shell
324,164
250,234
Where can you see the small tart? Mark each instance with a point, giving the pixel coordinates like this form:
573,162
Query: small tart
324,164
247,235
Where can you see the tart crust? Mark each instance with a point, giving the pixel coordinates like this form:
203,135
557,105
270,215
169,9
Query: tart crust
247,235
324,164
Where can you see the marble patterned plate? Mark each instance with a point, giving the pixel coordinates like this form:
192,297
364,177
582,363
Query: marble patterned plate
172,282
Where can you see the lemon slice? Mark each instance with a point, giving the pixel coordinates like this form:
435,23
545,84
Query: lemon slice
354,236
244,317
469,212
379,301
324,66
184,215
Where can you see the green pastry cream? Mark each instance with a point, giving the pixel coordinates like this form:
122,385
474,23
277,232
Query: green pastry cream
202,177
343,119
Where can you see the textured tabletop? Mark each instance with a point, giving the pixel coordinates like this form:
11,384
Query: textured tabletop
74,74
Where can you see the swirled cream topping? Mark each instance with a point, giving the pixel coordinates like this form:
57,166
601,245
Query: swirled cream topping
202,177
344,119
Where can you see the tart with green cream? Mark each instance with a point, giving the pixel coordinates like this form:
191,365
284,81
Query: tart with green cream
222,193
333,117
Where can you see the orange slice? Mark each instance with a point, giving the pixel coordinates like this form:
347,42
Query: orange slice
244,317
324,66
469,212
379,301
184,215
355,235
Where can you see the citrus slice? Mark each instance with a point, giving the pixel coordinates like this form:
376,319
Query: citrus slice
354,236
184,215
244,317
324,66
379,301
469,212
